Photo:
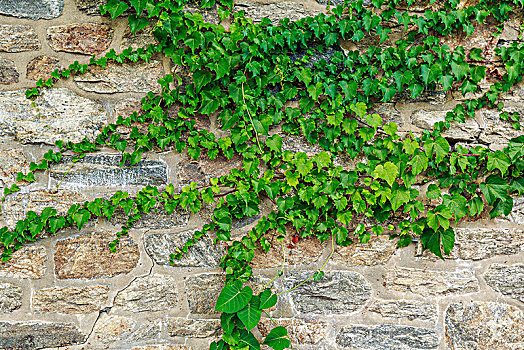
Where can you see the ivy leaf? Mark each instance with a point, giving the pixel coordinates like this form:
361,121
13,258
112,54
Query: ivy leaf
494,188
388,172
267,299
275,143
139,5
115,9
374,120
447,82
457,204
516,147
81,217
433,192
277,338
459,70
498,160
137,23
233,297
409,146
400,197
478,73
227,323
440,147
250,315
248,339
517,185
419,163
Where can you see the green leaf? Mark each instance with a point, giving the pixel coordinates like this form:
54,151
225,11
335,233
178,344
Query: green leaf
274,143
277,338
250,315
431,241
457,204
227,322
139,5
400,197
388,172
233,297
248,339
494,188
116,9
267,299
440,147
374,120
419,163
459,70
498,160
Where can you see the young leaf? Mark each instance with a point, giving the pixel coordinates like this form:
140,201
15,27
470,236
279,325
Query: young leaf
267,299
277,338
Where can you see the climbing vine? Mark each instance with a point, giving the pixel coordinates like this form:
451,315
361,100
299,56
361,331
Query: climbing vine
263,81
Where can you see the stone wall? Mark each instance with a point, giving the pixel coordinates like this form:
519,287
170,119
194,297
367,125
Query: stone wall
70,292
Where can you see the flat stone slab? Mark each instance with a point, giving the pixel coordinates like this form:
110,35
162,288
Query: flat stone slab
183,327
10,297
84,38
507,280
149,293
405,309
70,300
38,335
32,9
27,262
202,292
18,38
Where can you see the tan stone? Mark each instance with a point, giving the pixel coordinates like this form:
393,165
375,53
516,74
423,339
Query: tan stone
377,251
507,280
8,72
116,332
202,292
149,293
498,132
275,12
70,300
188,328
10,297
141,38
41,67
18,38
469,130
88,256
204,169
410,309
12,161
481,243
427,282
28,262
85,38
299,331
127,106
163,347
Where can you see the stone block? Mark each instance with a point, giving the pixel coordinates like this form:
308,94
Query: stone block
149,293
338,292
481,243
59,114
84,38
38,335
12,161
405,309
204,169
498,132
155,221
18,38
70,300
141,38
507,280
377,251
483,325
116,332
301,332
468,131
90,7
27,262
41,67
32,9
8,72
188,328
275,12
162,347
202,292
88,256
10,297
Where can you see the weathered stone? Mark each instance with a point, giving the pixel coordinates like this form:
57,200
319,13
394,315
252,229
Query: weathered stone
88,256
182,327
484,325
28,262
59,114
127,106
18,38
32,9
127,77
90,7
104,170
202,292
498,132
85,38
70,300
8,72
299,144
203,254
204,169
410,309
426,282
114,332
388,113
338,292
482,243
469,130
141,38
10,297
41,67
155,221
37,335
275,12
162,347
508,280
377,251
18,204
149,293
299,331
386,337
12,161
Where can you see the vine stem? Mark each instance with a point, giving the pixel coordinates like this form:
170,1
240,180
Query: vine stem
276,323
282,270
251,118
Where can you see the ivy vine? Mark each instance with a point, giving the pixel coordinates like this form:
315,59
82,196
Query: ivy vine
262,81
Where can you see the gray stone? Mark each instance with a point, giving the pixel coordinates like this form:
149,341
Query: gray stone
378,250
128,77
299,331
468,131
38,335
498,132
507,280
85,38
27,262
103,170
12,161
484,325
18,38
387,337
8,72
275,12
338,292
183,327
481,243
202,292
155,221
59,114
10,297
149,293
90,7
70,300
32,9
410,309
117,332
296,144
203,254
425,282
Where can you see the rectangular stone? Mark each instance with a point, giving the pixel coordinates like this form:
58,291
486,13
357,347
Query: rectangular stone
410,309
27,262
18,38
38,335
10,297
32,9
481,243
84,38
70,300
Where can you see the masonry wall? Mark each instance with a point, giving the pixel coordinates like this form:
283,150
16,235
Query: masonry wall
69,292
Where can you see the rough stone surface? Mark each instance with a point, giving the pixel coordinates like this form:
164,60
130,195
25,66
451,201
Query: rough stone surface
103,170
32,9
299,144
155,221
410,309
10,297
299,331
202,292
141,38
115,332
149,293
28,262
386,337
377,251
18,38
508,280
182,327
479,243
85,38
468,131
8,72
128,77
127,106
275,12
498,132
12,161
162,347
203,254
484,325
204,169
88,256
90,7
338,292
37,335
426,282
70,300
41,67
388,113
60,114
